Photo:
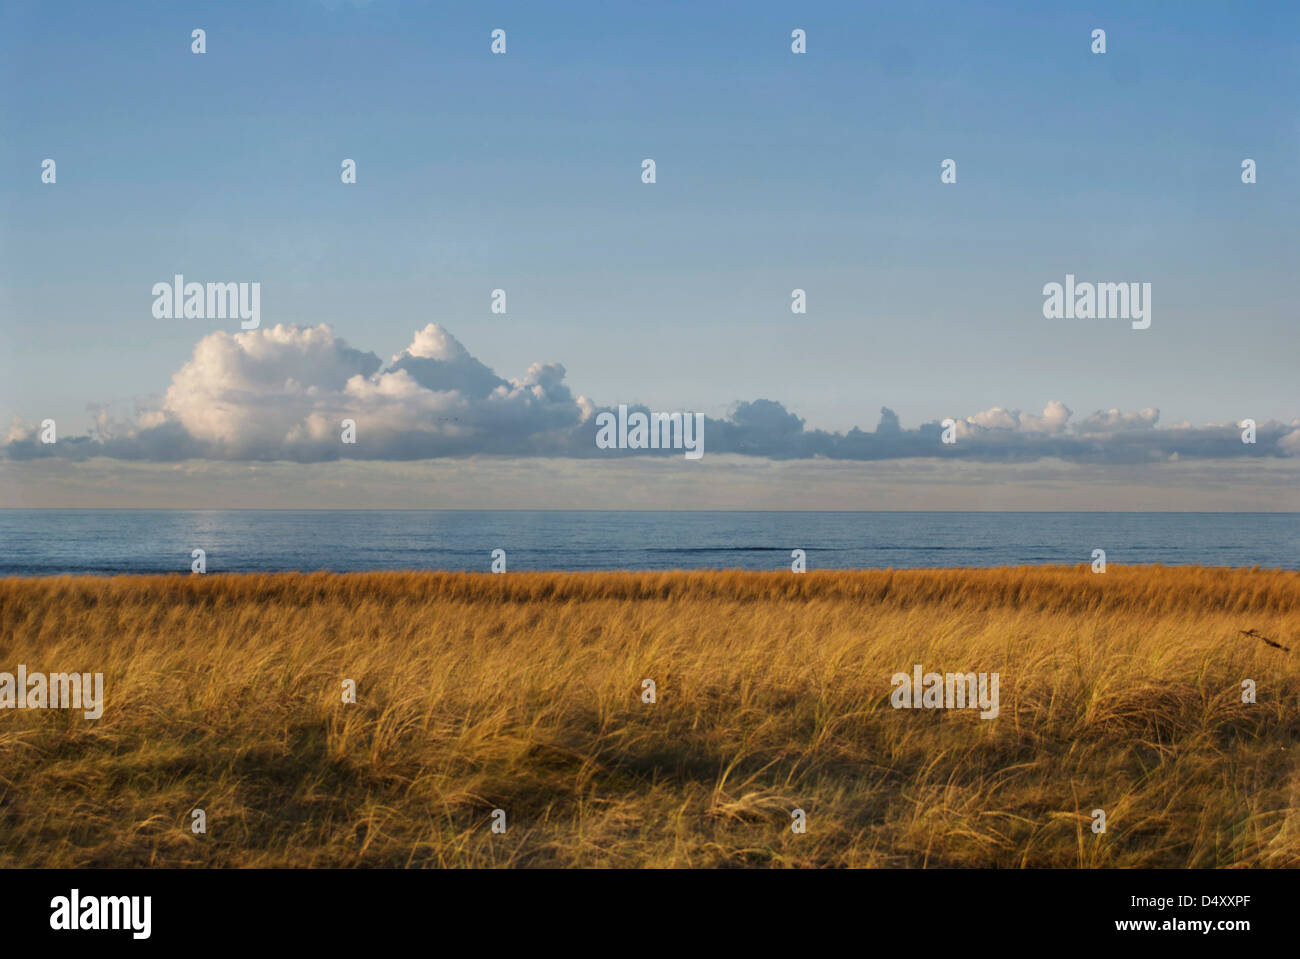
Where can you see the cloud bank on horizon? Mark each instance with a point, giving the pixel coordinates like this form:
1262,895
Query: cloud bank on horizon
281,393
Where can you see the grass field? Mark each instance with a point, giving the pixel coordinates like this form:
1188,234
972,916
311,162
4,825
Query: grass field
523,692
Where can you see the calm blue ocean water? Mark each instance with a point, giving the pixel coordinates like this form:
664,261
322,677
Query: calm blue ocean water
46,542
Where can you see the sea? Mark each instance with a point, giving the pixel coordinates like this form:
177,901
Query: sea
112,542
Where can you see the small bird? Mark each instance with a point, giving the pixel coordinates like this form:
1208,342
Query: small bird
1257,635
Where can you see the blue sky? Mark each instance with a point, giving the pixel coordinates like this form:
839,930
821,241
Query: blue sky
775,171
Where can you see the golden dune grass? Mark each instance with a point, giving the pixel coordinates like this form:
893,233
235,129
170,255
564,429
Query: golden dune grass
1119,691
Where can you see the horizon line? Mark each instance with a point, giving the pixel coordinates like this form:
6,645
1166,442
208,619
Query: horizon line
528,509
